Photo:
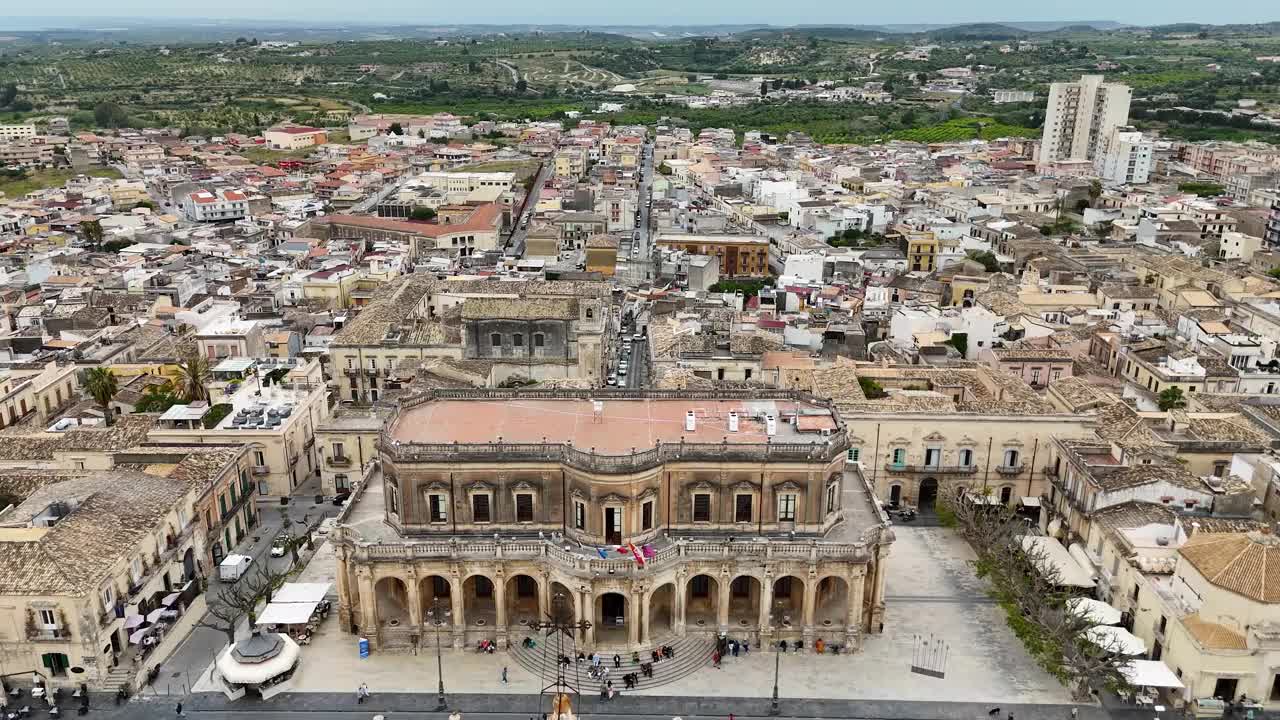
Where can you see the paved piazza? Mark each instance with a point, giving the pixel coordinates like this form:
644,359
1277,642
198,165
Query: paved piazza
931,589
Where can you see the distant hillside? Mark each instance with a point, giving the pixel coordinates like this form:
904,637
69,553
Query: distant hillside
978,31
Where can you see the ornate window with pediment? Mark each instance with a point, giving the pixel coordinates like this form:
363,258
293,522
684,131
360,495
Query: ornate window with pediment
481,497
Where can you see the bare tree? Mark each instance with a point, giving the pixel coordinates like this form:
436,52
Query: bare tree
241,600
1029,586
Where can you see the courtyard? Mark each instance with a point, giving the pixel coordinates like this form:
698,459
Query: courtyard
931,593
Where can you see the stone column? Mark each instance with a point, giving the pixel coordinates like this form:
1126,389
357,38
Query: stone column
589,613
677,606
345,609
459,612
810,599
414,600
633,619
853,622
722,600
368,607
766,611
500,611
544,597
644,618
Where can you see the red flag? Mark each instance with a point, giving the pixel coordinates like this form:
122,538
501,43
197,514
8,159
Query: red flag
636,552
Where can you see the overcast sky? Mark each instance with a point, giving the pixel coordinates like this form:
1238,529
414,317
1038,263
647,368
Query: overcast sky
1141,12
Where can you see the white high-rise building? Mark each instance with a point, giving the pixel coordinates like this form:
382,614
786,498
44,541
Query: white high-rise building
1125,158
1080,117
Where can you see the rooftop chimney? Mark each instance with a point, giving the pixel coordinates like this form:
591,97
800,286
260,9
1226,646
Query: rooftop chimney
690,421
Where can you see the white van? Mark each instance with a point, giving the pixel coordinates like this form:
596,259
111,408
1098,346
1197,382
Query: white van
233,567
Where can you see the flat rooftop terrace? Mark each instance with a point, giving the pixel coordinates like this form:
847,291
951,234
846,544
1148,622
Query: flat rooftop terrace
620,425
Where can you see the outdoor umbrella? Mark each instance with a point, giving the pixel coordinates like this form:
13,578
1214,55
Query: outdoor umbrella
1116,640
154,615
169,599
133,621
137,636
1095,611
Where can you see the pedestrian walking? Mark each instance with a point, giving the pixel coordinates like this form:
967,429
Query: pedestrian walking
734,645
359,694
1075,713
746,648
364,690
179,709
617,660
504,674
715,659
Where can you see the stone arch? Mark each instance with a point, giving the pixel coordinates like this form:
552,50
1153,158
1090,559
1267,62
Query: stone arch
432,587
702,601
662,610
479,600
788,602
831,602
611,616
563,601
523,597
744,601
392,596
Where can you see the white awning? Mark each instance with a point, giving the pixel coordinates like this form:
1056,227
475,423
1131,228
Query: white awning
301,593
239,673
1031,502
1150,673
1070,574
1094,611
1116,640
286,613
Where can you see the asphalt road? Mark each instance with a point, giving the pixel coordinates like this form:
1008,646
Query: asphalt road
515,243
180,670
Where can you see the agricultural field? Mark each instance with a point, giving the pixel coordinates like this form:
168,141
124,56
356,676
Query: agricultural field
32,180
967,128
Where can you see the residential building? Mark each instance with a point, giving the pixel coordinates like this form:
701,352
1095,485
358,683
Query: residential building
1080,116
18,131
215,206
1127,157
294,137
739,255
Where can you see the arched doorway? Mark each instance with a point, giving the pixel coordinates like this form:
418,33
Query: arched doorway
479,601
522,600
744,602
392,602
431,589
895,495
788,602
611,618
831,604
928,494
189,565
701,602
662,611
1006,495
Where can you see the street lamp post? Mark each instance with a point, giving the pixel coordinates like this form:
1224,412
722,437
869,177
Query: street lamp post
777,661
437,613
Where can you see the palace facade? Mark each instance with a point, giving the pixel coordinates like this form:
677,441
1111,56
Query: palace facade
490,504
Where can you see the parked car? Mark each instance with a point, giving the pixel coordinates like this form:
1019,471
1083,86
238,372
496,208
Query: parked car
613,379
341,497
281,545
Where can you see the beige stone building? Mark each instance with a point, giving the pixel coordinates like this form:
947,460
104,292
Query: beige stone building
534,329
494,503
85,549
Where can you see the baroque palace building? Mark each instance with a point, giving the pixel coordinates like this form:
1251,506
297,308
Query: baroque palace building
489,504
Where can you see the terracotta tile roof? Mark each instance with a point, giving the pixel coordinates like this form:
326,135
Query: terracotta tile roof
1244,563
1212,635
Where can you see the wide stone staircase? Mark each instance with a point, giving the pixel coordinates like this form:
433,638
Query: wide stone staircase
692,652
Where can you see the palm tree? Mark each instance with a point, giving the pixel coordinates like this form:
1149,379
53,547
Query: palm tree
101,385
192,371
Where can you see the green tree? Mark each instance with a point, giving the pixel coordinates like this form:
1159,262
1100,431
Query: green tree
522,85
110,115
1202,189
987,258
157,398
92,232
1274,272
422,214
101,385
1171,399
872,389
764,88
192,371
395,129
959,341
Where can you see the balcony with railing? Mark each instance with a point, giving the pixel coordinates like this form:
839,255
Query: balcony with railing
585,561
1011,469
338,461
935,469
58,634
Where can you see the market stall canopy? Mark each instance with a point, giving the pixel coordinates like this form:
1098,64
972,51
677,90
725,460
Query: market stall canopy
138,636
1095,611
1150,673
301,593
1049,551
286,613
1116,640
170,599
134,621
154,615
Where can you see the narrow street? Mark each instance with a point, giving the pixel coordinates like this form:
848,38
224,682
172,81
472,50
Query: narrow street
515,243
